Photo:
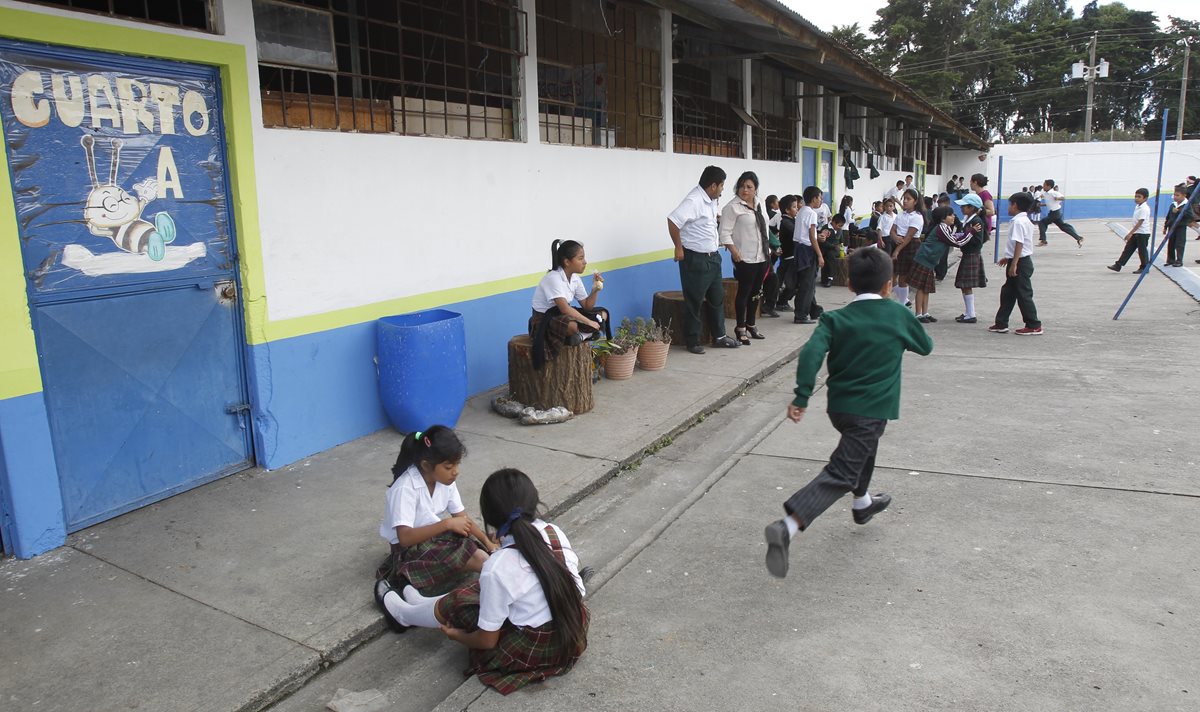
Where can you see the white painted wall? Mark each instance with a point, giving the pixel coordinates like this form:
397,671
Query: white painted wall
1095,170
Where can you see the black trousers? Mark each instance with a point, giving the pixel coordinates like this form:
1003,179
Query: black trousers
1055,218
830,251
703,294
770,287
1018,291
1176,241
787,280
1138,243
749,276
806,287
849,470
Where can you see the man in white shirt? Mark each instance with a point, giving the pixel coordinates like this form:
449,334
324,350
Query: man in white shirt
1054,203
693,229
1018,269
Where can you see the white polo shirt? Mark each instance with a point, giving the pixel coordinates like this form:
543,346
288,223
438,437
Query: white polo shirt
696,218
1142,212
806,218
1020,230
904,221
1053,199
554,285
886,220
510,590
409,504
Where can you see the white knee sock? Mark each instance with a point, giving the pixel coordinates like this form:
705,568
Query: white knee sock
420,615
412,596
901,294
862,502
969,301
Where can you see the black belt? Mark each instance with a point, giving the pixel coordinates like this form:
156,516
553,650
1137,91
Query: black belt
695,252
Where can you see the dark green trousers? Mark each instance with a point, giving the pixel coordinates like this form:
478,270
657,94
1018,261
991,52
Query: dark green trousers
700,280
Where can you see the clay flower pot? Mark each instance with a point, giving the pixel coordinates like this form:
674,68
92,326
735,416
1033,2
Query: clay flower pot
652,355
618,367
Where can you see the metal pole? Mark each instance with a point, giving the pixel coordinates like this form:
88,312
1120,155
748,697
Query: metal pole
1091,80
1187,53
996,200
1162,148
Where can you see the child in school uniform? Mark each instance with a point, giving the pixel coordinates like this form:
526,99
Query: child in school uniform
1138,237
943,265
809,258
906,240
433,541
524,620
1018,268
863,394
922,276
1177,237
886,219
554,322
970,242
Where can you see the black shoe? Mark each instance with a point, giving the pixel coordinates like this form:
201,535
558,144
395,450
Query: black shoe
964,319
930,318
1116,268
769,314
586,574
783,307
879,502
382,586
696,349
827,282
778,540
725,342
804,321
923,319
753,331
1139,270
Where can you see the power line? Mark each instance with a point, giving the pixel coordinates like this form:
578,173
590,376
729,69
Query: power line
1045,45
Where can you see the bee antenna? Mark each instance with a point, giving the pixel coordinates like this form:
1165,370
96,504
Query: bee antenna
116,161
86,141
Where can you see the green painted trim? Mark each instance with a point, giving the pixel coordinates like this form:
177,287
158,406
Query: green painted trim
300,326
19,371
814,143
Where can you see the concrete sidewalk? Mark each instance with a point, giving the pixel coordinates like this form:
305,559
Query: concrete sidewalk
232,595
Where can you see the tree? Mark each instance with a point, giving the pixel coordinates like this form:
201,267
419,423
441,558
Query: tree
852,36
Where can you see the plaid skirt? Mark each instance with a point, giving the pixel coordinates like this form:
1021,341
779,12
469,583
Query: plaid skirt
524,654
922,279
557,331
970,271
429,565
904,261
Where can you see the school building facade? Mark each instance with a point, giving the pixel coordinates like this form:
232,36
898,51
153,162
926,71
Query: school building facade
206,204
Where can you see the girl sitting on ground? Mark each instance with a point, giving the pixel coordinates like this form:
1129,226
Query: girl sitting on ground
429,551
554,321
524,620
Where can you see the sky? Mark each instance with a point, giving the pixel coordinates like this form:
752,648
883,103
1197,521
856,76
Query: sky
844,12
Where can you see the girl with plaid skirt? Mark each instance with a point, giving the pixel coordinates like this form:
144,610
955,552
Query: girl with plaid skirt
427,550
970,266
524,620
906,239
923,274
554,322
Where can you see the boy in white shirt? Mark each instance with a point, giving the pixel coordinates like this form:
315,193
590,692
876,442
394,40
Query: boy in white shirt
809,259
1018,264
1138,237
1054,203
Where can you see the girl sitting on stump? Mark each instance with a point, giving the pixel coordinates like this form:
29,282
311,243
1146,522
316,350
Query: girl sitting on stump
554,321
524,620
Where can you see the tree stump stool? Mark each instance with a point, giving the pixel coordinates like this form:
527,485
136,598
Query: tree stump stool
839,272
730,286
565,380
669,309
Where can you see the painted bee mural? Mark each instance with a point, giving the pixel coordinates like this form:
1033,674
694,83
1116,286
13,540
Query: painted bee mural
110,211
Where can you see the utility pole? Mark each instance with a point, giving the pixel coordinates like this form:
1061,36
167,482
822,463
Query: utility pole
1091,80
1187,53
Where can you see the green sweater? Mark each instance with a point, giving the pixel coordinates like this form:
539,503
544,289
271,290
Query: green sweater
866,341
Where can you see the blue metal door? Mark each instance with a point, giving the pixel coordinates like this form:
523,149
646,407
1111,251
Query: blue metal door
809,166
119,172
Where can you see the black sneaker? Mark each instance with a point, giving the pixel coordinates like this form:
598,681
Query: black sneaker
930,318
964,319
804,321
725,342
879,502
923,319
696,349
1139,270
1116,268
778,540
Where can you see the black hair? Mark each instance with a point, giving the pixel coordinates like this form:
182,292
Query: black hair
510,492
772,199
917,202
1181,188
1023,201
1048,180
877,204
436,445
943,198
1144,192
748,176
561,251
811,193
869,270
979,179
786,202
928,203
837,217
711,175
847,200
899,183
907,177
941,214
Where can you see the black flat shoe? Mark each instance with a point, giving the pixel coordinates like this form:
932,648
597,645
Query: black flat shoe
725,342
753,331
1115,268
879,502
768,314
382,586
778,540
697,349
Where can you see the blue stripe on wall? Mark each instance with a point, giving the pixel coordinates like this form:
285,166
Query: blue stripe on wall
31,509
316,391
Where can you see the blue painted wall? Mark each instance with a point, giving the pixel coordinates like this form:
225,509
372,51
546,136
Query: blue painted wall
28,479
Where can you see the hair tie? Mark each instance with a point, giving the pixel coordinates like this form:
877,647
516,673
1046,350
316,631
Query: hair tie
417,435
513,516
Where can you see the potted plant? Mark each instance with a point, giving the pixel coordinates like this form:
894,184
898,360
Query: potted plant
621,359
656,344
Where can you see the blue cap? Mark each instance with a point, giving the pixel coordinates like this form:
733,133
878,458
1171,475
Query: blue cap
971,199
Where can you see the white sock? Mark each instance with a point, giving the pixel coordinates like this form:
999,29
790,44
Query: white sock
901,294
969,301
793,527
412,596
420,615
862,502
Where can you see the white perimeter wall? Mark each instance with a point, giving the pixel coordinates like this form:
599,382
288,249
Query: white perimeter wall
1095,170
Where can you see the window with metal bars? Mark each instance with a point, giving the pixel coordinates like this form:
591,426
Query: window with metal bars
416,67
193,14
599,74
707,87
773,101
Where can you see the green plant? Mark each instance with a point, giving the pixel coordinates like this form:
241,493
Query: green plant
652,331
628,337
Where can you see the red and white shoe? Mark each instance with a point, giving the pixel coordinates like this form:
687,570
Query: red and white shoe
1026,331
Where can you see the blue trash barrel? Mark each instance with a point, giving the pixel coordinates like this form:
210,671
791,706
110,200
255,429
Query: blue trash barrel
422,368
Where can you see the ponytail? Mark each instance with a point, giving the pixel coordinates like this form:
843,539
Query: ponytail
509,504
562,250
437,445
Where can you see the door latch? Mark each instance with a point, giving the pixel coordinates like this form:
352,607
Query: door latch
227,290
237,408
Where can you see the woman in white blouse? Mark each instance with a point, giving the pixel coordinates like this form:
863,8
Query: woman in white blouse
743,232
554,321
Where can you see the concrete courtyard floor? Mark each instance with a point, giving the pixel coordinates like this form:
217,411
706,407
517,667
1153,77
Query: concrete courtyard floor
1040,553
